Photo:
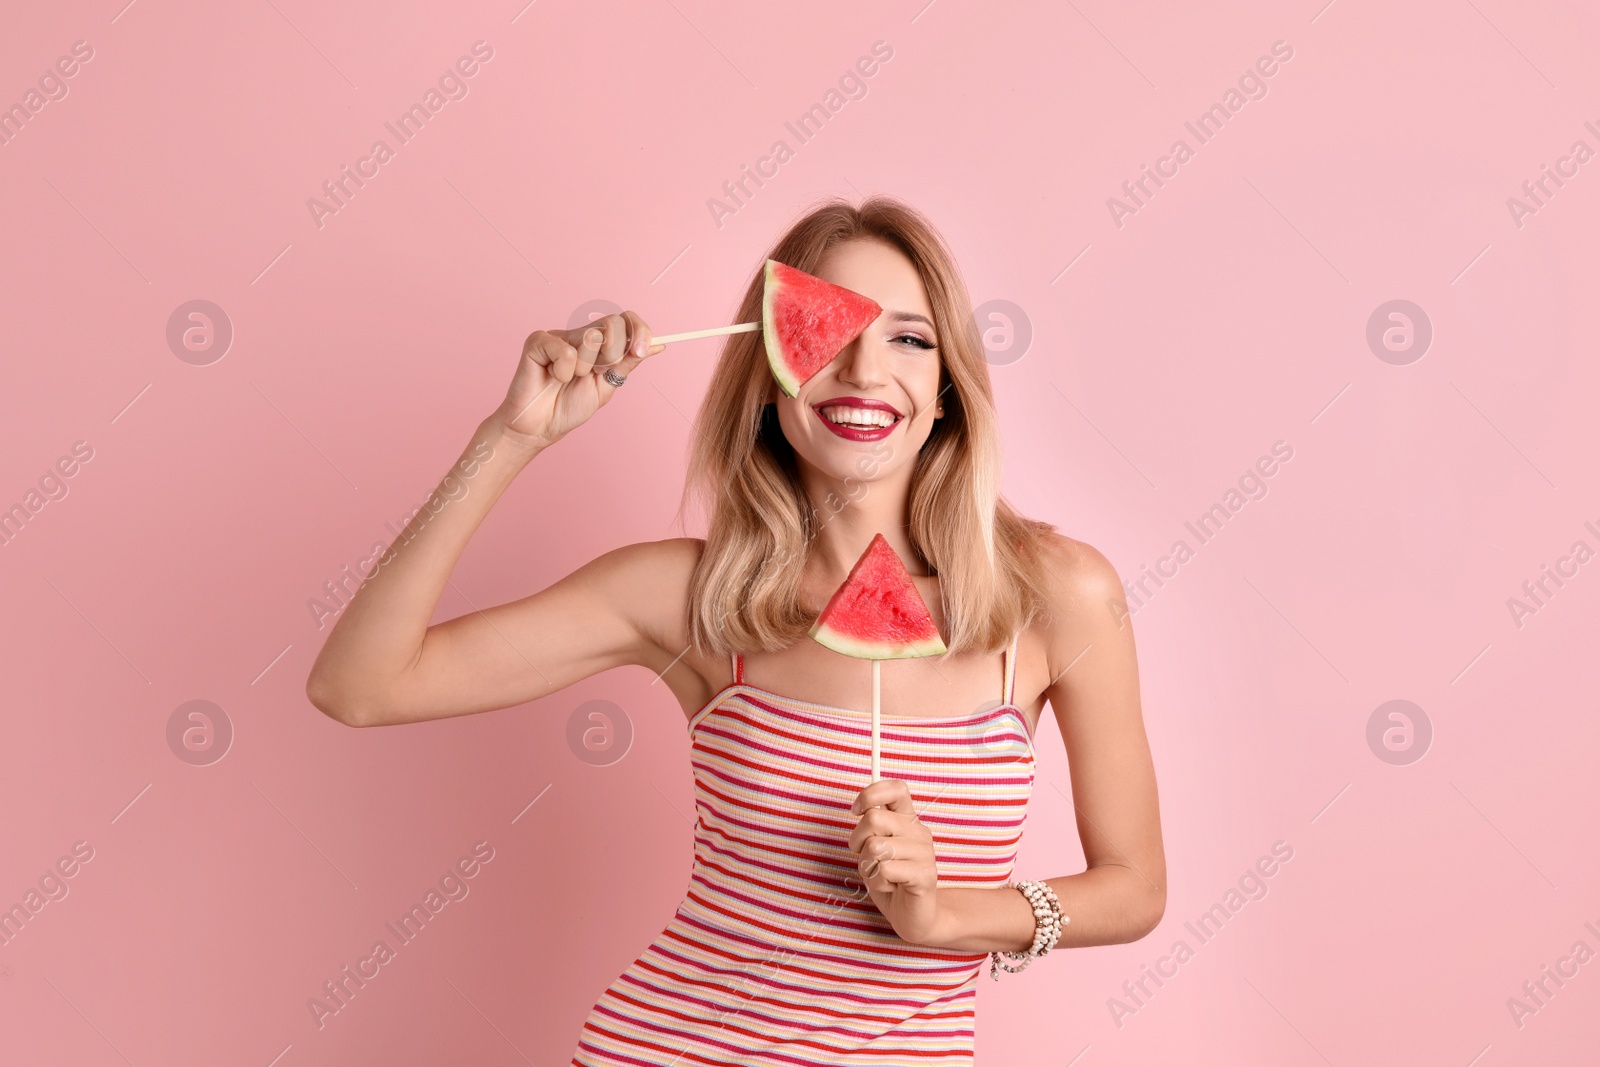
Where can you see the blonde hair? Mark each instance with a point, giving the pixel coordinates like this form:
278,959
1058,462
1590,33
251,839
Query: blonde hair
744,593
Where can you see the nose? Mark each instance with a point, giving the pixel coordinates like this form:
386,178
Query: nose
861,364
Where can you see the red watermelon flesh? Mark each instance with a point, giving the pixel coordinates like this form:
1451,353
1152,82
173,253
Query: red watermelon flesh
877,613
806,322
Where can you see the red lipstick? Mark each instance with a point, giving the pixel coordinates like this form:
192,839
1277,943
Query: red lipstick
858,433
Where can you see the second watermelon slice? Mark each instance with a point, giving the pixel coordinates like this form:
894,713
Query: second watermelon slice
806,321
877,613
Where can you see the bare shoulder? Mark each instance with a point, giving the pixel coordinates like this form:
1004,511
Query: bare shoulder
666,560
1081,577
650,580
1088,608
651,577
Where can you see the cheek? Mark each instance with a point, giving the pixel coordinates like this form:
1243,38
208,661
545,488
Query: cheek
924,393
793,417
799,427
923,383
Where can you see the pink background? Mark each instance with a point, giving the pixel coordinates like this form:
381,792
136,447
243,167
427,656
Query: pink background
1228,313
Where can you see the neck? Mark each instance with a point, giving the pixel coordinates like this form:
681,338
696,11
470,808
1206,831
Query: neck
848,512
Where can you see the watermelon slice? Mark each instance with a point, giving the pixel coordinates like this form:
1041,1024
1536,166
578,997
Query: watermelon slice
806,321
877,613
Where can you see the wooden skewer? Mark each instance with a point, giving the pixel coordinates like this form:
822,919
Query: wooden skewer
715,331
875,720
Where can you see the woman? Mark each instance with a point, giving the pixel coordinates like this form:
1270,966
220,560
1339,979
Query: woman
829,919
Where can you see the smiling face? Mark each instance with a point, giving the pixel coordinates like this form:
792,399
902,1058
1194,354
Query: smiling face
878,398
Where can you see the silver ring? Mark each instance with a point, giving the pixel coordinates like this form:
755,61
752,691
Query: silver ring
614,378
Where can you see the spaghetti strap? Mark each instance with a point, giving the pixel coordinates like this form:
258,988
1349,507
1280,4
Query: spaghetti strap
738,668
1011,669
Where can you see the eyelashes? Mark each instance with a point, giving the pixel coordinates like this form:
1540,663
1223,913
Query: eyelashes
918,342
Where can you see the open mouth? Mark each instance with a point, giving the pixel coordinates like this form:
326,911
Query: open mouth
858,419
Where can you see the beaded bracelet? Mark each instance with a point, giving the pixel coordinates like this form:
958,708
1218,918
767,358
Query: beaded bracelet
1048,923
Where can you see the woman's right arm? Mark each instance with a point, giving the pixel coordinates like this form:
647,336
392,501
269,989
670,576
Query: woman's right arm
383,663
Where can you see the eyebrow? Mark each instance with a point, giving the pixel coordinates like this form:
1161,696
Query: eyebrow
910,316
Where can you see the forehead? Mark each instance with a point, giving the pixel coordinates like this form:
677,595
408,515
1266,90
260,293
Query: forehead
878,270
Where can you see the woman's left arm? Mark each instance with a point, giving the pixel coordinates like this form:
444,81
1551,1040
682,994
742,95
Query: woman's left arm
1095,693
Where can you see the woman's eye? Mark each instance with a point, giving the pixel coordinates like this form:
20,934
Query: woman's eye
920,342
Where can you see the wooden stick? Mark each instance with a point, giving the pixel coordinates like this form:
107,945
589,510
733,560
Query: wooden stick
875,721
715,331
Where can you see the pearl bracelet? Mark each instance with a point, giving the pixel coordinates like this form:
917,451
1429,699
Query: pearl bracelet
1048,923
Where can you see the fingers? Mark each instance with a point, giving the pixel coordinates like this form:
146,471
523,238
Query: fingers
886,810
876,852
639,343
892,845
883,865
891,793
905,831
621,343
552,352
590,343
627,337
612,342
636,347
884,875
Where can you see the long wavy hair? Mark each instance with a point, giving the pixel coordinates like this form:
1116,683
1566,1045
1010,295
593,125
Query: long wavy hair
744,593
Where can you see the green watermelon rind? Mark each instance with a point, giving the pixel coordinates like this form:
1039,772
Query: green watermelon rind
769,332
842,643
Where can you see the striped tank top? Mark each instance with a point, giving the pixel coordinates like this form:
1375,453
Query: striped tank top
777,956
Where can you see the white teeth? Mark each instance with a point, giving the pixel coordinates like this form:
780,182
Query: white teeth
849,416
